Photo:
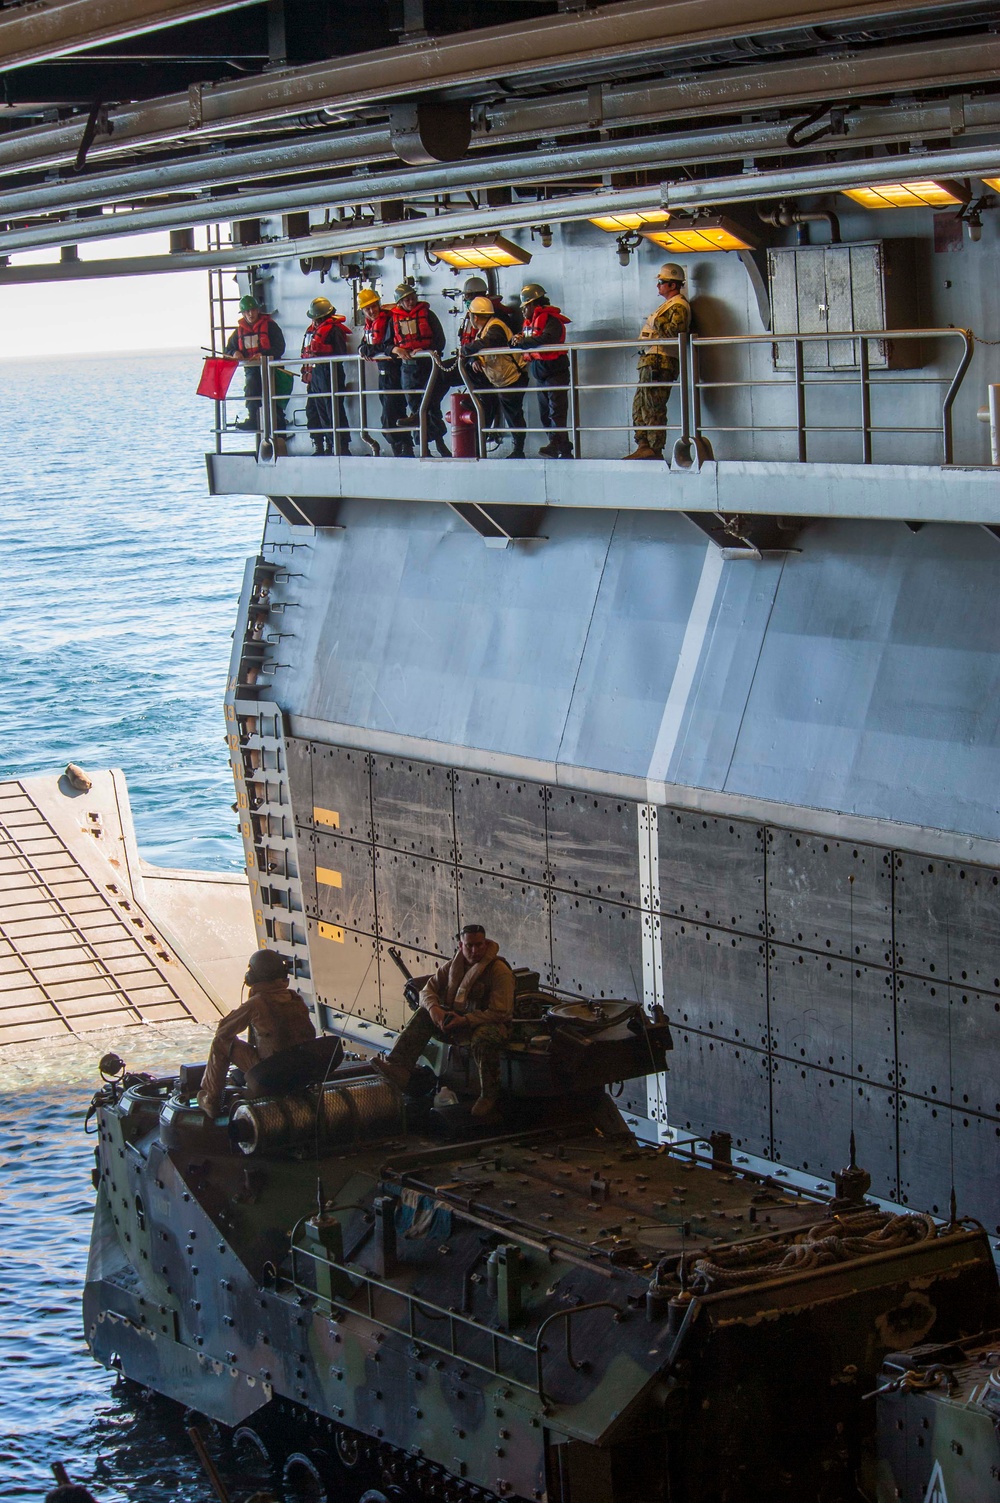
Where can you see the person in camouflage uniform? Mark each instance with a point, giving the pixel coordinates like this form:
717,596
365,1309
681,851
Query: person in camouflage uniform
470,1000
658,364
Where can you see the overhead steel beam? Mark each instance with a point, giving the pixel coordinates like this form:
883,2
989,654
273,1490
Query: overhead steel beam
36,33
635,31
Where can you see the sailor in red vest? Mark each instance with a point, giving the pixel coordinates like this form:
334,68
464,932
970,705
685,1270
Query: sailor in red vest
417,332
376,344
545,325
255,335
326,335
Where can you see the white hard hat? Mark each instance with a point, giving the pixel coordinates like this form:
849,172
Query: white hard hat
671,272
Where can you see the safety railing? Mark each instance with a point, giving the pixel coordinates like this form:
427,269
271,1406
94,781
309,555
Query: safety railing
861,379
759,396
496,1353
361,399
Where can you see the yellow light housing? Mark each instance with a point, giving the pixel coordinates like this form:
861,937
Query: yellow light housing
929,194
481,252
630,219
992,182
707,232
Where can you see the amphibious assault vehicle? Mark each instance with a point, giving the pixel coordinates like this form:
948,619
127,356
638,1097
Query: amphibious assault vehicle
371,1295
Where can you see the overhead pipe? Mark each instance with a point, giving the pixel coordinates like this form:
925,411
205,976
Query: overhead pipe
828,177
290,158
372,144
624,31
783,216
339,241
537,168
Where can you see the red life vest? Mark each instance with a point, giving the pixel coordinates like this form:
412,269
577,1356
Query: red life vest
327,336
412,328
254,340
534,326
377,327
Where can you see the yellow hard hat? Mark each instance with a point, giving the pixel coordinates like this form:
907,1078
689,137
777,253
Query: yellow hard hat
481,305
368,297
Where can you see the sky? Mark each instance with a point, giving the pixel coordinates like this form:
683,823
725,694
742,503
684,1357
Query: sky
107,313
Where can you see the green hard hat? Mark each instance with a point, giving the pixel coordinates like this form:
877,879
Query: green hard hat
321,307
248,304
531,292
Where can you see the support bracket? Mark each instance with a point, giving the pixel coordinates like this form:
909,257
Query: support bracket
738,536
499,526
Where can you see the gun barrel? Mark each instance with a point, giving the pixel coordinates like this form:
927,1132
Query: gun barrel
399,962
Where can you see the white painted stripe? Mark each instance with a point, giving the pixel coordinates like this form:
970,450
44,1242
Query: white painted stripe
646,903
652,952
687,664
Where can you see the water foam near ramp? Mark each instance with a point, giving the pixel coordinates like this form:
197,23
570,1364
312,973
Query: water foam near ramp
79,949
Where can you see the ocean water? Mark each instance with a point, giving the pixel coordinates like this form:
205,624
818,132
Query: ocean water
57,1404
121,577
120,582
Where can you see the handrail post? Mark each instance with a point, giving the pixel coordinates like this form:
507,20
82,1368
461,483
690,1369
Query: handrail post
800,399
477,406
265,444
952,393
695,374
432,364
864,373
684,384
574,399
366,437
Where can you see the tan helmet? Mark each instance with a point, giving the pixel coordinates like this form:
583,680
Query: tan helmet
671,272
481,305
368,297
321,307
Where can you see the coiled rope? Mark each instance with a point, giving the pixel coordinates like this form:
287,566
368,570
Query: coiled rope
834,1241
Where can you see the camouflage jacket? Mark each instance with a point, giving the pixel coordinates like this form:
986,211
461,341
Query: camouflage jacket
670,319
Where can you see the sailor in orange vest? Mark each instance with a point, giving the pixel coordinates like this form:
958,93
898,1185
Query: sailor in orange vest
255,335
376,344
325,336
545,325
417,332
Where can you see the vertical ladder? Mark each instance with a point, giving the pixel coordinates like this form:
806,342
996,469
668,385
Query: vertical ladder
222,305
255,730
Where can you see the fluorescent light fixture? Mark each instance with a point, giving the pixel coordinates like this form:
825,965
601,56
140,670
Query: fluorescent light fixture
481,252
705,232
929,194
630,219
992,182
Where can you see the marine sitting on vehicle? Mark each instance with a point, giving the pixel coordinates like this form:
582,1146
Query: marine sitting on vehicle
468,1000
277,1019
